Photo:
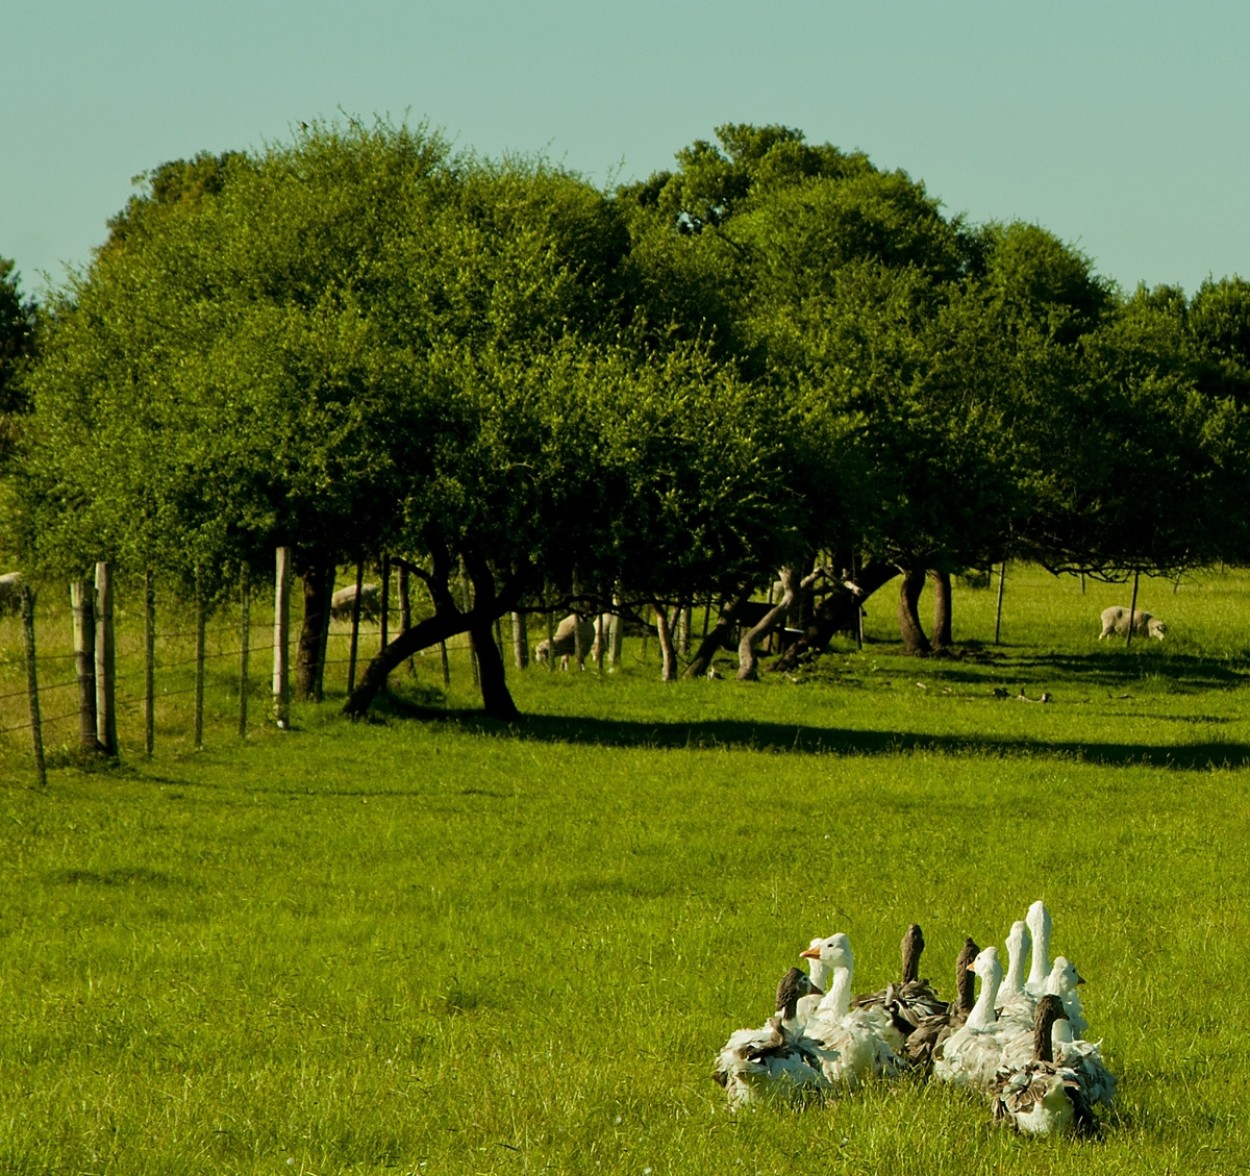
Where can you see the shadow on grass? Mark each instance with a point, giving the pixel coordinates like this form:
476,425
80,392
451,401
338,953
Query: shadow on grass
809,740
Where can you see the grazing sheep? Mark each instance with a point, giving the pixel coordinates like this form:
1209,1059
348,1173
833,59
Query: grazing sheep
370,602
565,642
11,592
1115,620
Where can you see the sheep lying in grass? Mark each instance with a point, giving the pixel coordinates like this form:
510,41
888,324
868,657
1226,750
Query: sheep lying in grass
1116,620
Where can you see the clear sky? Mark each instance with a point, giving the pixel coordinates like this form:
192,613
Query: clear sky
1123,126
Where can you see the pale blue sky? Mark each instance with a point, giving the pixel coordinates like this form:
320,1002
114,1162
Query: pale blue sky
1123,126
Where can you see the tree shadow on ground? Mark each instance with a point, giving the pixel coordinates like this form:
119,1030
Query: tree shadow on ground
809,740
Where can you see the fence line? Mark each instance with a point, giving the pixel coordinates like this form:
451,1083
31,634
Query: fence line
153,658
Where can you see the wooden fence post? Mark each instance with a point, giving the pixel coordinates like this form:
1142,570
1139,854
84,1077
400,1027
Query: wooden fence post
32,683
199,659
245,634
520,642
1132,612
105,661
998,614
386,600
281,625
355,638
82,606
149,662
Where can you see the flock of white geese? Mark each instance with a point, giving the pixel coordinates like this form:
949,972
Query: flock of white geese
1021,1042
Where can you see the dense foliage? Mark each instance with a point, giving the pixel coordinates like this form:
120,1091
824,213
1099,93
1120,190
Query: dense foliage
364,342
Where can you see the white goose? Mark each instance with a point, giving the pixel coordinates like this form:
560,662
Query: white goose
858,1037
1038,921
1062,982
1085,1057
770,1065
1013,1003
1041,1097
777,1062
972,1055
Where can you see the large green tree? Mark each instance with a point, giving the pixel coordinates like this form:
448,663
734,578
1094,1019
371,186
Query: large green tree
17,344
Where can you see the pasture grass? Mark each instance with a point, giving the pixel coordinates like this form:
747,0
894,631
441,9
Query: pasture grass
441,944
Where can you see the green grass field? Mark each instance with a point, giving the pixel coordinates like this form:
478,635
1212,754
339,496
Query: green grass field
443,945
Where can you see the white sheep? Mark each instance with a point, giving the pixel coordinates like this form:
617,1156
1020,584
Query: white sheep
566,640
11,592
370,602
1115,620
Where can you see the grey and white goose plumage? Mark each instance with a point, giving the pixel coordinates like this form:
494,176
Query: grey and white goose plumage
1042,1096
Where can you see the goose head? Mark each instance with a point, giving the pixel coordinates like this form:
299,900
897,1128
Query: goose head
1049,1011
1038,922
833,953
965,977
794,985
1018,943
1063,978
990,972
834,957
912,946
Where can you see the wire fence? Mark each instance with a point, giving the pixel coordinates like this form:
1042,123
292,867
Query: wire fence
117,665
174,676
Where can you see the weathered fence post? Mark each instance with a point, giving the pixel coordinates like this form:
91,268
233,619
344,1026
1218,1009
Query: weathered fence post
149,662
405,608
105,662
351,654
32,683
466,603
281,627
245,634
520,642
1132,613
199,658
386,600
998,613
82,606
616,627
319,687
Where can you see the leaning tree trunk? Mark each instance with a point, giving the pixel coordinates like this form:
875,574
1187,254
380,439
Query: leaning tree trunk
318,588
915,643
497,700
941,609
448,621
668,654
839,611
719,637
748,660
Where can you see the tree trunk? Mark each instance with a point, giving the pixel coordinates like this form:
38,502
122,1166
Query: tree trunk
748,659
497,701
718,638
668,655
448,621
440,627
318,584
941,609
915,643
839,611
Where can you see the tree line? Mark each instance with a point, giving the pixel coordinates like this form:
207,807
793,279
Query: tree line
773,359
